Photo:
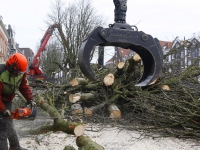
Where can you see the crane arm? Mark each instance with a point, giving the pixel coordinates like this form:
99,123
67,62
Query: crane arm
34,68
120,10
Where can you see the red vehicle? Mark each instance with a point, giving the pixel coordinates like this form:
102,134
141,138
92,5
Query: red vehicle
34,72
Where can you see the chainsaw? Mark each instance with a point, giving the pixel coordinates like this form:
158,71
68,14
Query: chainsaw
24,113
27,113
121,34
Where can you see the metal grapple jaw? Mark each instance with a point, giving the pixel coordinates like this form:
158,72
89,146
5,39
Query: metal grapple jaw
122,35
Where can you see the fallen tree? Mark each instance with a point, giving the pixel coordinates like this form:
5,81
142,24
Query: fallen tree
169,106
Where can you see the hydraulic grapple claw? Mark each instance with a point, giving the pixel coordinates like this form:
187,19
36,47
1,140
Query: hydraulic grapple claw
122,35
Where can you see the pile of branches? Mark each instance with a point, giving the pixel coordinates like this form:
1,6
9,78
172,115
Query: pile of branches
170,106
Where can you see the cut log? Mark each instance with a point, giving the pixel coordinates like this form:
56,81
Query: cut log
59,124
131,65
109,79
88,112
73,98
165,87
79,130
73,128
78,81
154,81
114,111
136,58
77,109
120,65
119,70
69,148
84,142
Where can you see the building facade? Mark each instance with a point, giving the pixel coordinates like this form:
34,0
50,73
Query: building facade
4,45
179,54
13,46
8,45
28,53
184,52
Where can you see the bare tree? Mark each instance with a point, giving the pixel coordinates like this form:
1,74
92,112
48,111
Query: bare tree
75,21
49,57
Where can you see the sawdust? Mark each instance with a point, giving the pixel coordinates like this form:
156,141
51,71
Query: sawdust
111,138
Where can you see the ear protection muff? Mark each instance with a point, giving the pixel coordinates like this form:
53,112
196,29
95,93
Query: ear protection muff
12,68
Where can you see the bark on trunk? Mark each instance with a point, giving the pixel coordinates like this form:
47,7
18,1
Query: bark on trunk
73,98
78,81
119,70
87,144
59,124
69,148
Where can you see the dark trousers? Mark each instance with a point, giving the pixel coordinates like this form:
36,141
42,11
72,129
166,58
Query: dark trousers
7,131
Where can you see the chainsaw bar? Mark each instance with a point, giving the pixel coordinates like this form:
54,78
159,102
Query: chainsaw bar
33,118
43,118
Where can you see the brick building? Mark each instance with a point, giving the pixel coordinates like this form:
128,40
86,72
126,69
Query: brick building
4,45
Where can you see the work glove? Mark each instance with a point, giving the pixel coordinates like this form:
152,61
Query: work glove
7,112
32,103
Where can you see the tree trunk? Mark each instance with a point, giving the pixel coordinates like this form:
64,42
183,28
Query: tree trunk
69,148
59,124
78,81
87,144
73,98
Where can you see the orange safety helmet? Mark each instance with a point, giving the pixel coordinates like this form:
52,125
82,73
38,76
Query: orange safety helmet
17,63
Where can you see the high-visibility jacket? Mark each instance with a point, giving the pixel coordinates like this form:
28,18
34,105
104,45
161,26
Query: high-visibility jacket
9,85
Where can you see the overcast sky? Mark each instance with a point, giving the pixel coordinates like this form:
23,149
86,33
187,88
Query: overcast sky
164,19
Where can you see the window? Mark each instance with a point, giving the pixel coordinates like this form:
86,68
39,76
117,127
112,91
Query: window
189,62
167,59
182,54
29,59
195,54
198,51
189,54
182,63
178,55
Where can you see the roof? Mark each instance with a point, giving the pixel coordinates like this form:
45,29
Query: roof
122,52
27,51
166,44
29,54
